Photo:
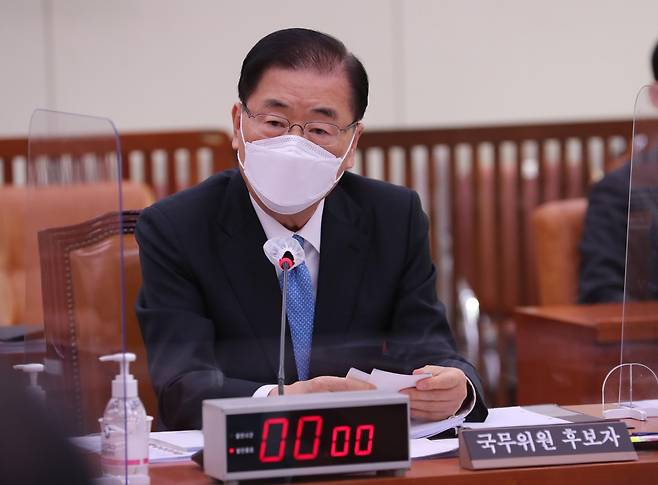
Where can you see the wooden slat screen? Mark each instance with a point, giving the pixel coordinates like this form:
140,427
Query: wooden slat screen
479,186
166,161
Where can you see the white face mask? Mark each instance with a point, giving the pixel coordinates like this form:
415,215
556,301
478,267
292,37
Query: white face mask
289,173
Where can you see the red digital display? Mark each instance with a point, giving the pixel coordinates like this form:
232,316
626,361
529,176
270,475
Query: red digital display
322,437
274,427
340,448
341,445
316,423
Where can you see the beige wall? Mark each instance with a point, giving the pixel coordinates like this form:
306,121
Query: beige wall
151,64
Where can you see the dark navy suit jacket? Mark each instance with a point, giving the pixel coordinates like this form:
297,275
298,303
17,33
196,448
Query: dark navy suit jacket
210,304
603,243
604,262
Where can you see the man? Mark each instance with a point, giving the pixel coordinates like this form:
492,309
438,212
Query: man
603,243
365,296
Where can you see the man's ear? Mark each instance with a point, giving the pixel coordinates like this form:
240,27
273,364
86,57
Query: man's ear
350,158
235,116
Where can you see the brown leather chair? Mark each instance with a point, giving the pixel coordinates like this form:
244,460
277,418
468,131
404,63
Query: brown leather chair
83,294
557,229
24,212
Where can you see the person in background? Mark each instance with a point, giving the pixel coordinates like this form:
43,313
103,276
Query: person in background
365,296
603,243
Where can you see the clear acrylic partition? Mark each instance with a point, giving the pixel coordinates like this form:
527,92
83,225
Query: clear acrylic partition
631,387
73,265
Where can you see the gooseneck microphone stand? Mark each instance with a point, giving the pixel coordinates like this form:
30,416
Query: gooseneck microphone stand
286,263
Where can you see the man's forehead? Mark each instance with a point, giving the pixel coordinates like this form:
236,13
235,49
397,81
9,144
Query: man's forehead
273,103
327,93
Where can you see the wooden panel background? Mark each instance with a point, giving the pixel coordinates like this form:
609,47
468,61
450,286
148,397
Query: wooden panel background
166,161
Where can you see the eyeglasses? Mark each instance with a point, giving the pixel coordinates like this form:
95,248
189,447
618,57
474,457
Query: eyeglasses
319,132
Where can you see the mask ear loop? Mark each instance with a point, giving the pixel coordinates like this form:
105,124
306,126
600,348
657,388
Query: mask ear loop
343,159
244,143
348,148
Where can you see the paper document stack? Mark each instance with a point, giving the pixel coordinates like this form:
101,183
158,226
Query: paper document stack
164,446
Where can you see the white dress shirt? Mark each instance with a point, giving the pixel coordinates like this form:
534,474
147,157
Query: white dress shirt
311,232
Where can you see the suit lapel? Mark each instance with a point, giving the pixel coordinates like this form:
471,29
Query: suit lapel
250,273
342,261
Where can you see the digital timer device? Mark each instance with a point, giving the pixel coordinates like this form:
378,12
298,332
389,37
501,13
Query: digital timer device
308,434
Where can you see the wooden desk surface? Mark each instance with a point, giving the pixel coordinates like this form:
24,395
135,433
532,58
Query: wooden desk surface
448,471
603,319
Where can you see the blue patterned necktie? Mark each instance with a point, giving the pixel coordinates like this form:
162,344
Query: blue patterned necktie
300,311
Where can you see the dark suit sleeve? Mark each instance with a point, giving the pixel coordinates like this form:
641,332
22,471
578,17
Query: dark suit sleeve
421,334
178,335
603,243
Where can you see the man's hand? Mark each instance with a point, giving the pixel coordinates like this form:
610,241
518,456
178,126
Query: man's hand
439,396
324,384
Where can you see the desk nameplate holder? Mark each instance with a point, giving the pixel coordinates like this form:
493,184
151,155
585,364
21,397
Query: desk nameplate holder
556,444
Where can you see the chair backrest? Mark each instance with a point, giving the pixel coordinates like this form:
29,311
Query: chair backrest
83,294
24,211
557,230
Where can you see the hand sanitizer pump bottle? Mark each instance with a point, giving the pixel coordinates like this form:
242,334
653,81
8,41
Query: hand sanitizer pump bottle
125,427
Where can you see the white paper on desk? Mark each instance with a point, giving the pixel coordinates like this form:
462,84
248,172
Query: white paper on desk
513,416
421,447
90,442
425,429
164,446
190,440
160,455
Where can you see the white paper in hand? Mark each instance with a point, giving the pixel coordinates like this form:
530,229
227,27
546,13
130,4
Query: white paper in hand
358,374
390,381
387,381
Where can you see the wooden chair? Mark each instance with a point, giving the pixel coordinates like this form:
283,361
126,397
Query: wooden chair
83,291
557,230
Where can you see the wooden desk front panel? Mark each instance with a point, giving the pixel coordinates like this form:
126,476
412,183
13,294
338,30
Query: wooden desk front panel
565,352
448,471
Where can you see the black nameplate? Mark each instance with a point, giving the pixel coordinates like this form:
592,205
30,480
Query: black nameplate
545,445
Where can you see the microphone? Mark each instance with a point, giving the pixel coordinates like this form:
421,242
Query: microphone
287,261
285,253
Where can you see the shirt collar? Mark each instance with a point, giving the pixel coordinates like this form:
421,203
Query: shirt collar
311,232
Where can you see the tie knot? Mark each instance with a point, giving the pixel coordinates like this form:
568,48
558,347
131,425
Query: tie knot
299,239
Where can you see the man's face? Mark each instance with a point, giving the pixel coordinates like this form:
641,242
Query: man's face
301,96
